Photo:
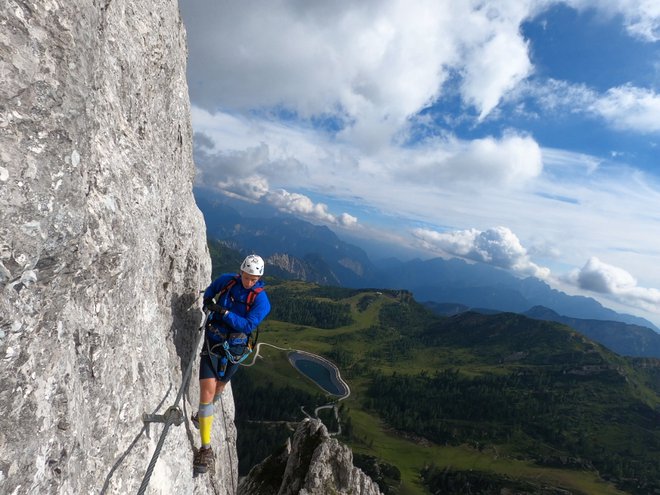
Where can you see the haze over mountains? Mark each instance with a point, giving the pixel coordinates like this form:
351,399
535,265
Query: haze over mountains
300,250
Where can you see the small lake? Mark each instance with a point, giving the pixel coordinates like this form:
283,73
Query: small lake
324,374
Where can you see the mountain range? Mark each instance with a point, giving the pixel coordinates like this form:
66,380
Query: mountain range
297,249
484,286
624,338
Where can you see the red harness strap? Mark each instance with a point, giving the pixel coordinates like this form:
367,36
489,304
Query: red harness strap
252,295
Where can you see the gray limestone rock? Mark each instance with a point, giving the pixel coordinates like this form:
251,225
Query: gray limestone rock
102,251
311,464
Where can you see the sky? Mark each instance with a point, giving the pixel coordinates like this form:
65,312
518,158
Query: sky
519,133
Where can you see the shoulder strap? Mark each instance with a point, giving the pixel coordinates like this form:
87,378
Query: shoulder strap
252,295
228,286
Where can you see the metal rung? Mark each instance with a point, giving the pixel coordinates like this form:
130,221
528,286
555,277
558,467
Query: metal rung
172,414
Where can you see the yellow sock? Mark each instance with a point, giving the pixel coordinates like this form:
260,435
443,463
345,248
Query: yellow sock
205,416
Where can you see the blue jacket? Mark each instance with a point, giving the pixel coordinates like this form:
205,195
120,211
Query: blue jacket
238,319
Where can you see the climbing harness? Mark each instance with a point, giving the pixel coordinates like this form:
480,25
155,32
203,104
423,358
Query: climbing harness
235,349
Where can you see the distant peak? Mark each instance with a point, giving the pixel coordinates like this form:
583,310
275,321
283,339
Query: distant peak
540,311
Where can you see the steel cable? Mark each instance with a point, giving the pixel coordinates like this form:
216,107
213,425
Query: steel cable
171,414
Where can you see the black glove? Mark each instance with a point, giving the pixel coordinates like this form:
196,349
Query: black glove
210,305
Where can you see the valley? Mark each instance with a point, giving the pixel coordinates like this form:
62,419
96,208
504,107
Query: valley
498,401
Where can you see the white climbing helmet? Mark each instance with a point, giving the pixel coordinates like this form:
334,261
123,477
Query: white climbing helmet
253,265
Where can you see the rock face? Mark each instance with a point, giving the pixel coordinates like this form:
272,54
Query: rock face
311,464
291,267
102,251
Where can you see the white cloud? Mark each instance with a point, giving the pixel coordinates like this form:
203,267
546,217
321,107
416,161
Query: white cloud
302,205
225,166
252,188
512,160
557,95
601,277
244,174
641,17
295,158
371,65
488,77
497,246
569,163
628,107
597,276
623,107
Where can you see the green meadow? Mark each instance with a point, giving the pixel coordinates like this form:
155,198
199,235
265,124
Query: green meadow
500,398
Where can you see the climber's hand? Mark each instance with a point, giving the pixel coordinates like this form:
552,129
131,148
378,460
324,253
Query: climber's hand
210,305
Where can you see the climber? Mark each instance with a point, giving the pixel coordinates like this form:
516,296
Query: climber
236,304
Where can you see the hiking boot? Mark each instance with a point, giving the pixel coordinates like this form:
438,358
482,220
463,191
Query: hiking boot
203,460
195,420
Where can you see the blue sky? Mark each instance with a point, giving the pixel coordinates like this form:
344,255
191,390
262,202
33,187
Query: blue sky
520,133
